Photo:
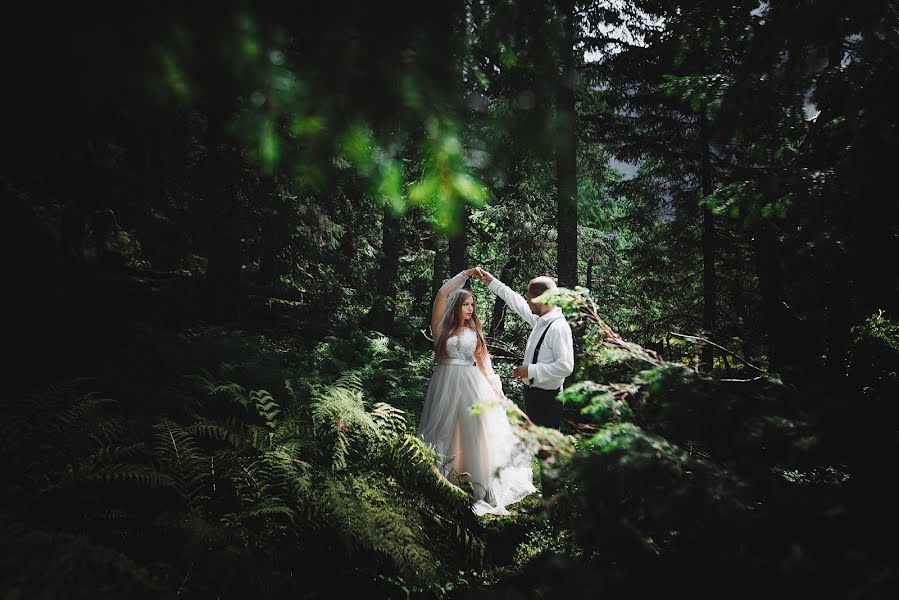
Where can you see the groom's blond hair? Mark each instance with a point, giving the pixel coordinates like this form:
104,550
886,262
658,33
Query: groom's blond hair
538,285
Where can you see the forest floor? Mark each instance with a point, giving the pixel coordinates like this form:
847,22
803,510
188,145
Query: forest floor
99,322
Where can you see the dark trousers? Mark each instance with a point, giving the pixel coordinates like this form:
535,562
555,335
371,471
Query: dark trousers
542,407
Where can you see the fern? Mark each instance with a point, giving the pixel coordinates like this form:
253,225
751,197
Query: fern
368,517
264,481
339,416
416,463
271,508
70,440
227,431
116,453
389,419
48,411
229,390
254,480
140,475
71,417
108,430
51,562
293,472
266,404
181,460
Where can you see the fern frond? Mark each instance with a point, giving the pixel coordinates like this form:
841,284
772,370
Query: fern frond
109,514
109,430
229,390
20,413
416,463
369,515
44,564
173,443
339,417
254,480
180,458
350,380
292,473
219,432
271,509
388,418
50,398
140,475
67,419
260,438
115,453
266,406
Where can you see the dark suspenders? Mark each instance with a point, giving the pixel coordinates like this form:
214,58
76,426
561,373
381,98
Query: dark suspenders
540,343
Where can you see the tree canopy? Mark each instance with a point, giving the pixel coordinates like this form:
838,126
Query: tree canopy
226,226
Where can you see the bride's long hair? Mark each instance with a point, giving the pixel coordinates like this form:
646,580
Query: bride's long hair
453,320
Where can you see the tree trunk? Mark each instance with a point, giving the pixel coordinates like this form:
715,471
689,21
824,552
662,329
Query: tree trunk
458,244
507,275
438,273
708,257
837,293
223,269
383,311
273,239
739,299
351,216
72,239
589,282
777,319
566,155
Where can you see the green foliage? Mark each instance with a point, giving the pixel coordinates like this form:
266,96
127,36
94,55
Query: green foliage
600,403
327,481
304,164
874,351
181,459
388,370
865,423
339,417
702,93
71,565
674,469
737,422
546,540
446,185
638,494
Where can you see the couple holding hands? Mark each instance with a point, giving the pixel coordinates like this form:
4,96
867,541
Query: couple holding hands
478,446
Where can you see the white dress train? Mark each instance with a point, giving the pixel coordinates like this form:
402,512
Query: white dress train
481,444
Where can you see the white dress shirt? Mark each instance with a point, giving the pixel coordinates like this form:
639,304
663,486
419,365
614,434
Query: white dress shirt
556,359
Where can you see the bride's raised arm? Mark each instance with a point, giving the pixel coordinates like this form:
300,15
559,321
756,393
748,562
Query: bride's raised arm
443,293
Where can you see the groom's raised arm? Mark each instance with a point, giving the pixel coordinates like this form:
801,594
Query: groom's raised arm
515,300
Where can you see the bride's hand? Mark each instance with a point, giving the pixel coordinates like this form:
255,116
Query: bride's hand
473,272
484,276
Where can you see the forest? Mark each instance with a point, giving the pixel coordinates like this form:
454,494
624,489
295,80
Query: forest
227,225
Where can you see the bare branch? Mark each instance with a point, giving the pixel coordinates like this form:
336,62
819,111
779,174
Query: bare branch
697,339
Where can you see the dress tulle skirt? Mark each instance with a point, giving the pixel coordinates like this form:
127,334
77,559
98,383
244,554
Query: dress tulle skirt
480,443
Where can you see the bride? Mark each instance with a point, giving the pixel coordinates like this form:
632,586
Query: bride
476,447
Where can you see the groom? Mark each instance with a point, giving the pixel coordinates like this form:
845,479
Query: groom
549,352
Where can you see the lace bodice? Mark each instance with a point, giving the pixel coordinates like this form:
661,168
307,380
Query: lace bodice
462,346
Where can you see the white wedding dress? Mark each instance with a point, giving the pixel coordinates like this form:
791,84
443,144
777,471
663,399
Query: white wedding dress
482,445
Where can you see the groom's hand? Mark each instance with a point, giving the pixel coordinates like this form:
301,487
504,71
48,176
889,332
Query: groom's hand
521,372
484,276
